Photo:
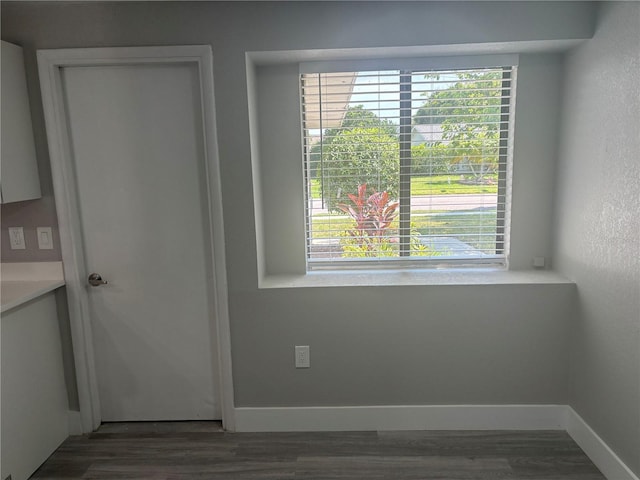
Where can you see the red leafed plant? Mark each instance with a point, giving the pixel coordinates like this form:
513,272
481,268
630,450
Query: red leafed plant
373,215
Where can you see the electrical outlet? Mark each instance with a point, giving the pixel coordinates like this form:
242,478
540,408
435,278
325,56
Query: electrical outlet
538,262
16,238
302,356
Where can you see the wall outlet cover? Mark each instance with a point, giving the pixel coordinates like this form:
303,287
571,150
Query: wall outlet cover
16,238
302,356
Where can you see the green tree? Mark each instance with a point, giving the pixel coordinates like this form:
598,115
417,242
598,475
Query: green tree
364,149
429,159
359,117
356,116
469,112
359,156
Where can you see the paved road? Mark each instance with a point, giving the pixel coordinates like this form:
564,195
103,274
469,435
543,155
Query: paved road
439,202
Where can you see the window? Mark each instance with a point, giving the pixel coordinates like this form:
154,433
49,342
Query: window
407,167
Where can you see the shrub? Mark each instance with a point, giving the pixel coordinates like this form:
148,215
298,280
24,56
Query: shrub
373,215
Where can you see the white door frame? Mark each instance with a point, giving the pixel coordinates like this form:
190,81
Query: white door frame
50,64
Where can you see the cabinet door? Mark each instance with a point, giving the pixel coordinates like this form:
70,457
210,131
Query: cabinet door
19,168
33,393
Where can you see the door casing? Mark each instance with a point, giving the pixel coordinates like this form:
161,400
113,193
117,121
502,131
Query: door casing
50,64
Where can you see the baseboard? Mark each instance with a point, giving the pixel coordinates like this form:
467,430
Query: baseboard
596,449
401,417
75,423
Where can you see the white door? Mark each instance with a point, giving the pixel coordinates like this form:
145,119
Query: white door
137,152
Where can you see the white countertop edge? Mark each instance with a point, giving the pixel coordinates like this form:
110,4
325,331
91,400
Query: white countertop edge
22,282
23,292
31,271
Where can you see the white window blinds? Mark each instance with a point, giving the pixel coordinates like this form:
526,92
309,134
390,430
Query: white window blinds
407,167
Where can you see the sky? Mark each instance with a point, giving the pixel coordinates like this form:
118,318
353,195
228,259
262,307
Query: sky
386,101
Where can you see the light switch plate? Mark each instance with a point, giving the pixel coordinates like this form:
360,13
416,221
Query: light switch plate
16,238
45,240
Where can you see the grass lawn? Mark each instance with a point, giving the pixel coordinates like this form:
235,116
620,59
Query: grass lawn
480,227
449,185
432,185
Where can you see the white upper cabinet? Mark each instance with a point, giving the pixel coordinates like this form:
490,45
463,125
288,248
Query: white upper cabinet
19,167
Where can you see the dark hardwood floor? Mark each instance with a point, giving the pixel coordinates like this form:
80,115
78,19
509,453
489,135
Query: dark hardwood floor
201,450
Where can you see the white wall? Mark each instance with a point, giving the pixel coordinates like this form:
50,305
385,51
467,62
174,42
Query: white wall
598,224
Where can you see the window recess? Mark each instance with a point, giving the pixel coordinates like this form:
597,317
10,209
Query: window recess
407,168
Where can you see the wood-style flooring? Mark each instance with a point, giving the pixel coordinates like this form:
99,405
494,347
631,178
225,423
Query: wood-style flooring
201,450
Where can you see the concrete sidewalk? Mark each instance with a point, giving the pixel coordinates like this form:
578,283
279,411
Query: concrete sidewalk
437,202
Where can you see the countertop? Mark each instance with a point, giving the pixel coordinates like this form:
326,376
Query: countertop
22,282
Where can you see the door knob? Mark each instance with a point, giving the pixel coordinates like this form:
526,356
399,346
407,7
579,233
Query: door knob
95,280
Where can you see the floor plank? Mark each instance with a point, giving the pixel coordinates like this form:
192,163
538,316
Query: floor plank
202,450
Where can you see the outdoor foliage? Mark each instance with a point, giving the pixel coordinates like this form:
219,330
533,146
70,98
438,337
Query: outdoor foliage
373,215
372,235
469,112
430,159
363,150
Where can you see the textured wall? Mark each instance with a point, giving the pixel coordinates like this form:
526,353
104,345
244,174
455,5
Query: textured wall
598,226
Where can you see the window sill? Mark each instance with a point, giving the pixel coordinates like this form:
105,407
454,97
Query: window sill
390,278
